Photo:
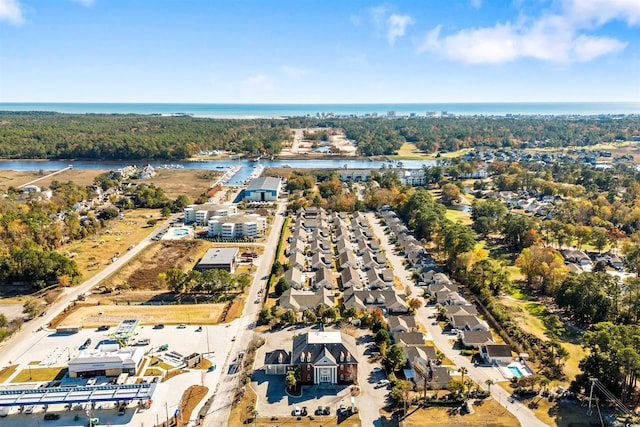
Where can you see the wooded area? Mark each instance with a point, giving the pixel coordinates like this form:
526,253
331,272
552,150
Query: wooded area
31,135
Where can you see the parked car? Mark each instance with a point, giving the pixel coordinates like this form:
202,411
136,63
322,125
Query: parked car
159,326
382,383
86,344
102,328
326,410
296,411
182,326
92,381
51,416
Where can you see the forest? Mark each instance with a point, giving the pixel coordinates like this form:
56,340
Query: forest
31,135
132,137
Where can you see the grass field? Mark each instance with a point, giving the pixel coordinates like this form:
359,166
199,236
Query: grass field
409,151
487,413
39,375
93,253
456,215
195,314
5,373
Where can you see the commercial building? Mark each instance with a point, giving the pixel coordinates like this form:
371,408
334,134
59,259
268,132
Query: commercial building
220,258
108,361
325,358
266,189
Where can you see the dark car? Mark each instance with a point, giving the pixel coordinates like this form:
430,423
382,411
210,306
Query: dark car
103,328
86,344
50,416
304,411
326,410
159,326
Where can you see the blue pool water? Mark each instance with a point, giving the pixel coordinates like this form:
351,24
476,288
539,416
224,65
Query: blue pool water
180,232
515,371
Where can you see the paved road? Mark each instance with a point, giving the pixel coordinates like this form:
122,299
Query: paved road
223,397
32,332
479,374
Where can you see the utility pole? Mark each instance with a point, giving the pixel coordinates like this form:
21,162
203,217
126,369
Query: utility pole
166,410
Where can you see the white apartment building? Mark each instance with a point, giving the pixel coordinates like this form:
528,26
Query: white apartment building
200,214
237,226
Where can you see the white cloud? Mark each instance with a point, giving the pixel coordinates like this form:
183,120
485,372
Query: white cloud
555,37
294,72
396,26
256,81
85,3
11,11
476,4
393,25
598,12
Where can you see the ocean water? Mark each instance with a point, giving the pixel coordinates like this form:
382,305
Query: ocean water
287,110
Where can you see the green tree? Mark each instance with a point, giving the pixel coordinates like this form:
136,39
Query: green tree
395,358
30,307
282,286
290,379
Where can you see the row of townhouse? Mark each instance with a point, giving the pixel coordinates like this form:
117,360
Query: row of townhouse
472,331
365,280
422,364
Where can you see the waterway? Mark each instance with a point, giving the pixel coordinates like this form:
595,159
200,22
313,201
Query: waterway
246,166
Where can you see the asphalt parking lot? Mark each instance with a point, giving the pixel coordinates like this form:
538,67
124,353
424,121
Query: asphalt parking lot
271,389
55,350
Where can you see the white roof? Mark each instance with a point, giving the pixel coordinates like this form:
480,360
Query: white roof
324,338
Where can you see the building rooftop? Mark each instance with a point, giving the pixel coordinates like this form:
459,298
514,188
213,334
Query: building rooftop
219,256
264,183
324,338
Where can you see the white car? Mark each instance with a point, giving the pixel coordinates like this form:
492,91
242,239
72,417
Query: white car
382,383
297,412
28,409
92,381
182,326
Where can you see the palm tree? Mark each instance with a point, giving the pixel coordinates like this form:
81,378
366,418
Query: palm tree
463,371
489,382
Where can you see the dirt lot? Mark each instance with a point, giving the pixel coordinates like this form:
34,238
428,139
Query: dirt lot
337,141
94,316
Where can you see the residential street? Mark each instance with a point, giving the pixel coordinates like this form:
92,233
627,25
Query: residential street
220,410
479,374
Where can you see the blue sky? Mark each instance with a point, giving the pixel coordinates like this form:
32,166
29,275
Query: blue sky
329,51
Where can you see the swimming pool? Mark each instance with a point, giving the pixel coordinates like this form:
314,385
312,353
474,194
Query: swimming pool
176,233
515,371
180,232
